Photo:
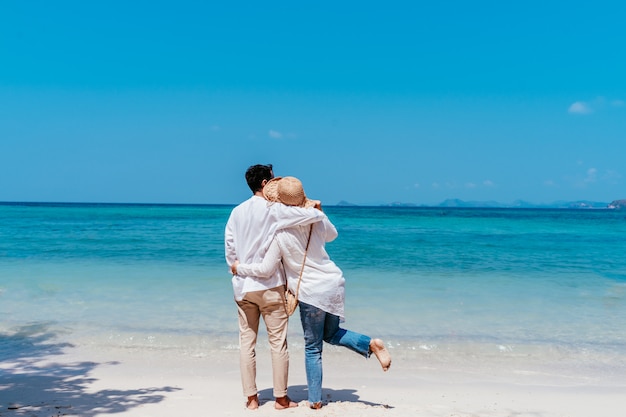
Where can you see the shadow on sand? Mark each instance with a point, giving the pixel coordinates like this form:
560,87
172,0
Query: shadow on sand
299,393
30,386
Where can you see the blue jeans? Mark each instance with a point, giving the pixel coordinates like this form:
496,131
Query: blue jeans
320,326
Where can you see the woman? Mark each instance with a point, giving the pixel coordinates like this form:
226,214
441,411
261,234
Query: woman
321,292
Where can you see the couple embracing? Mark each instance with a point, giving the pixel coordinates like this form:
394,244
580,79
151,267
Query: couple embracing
276,232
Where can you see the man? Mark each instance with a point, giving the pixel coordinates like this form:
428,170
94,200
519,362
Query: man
249,232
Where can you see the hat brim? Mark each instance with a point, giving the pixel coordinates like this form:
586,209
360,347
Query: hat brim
270,192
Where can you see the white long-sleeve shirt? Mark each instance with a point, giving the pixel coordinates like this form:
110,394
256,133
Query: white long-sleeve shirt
323,284
249,232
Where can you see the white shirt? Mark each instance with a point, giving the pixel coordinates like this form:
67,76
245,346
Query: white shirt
249,232
323,284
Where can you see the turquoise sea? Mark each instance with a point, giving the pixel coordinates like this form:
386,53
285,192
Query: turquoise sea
454,286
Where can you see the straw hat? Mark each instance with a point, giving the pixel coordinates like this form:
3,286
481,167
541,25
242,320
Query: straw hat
287,190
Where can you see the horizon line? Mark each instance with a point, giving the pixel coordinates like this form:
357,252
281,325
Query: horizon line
566,204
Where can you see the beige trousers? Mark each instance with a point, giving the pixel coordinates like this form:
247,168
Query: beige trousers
270,305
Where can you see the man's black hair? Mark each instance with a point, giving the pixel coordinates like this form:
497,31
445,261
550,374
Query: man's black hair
256,174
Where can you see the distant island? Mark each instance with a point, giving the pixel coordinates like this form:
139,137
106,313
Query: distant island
454,202
618,204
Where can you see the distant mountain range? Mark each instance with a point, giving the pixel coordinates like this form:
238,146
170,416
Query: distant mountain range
580,204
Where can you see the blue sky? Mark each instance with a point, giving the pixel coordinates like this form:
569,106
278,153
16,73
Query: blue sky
368,102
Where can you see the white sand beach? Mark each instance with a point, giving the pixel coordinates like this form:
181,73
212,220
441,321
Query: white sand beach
104,326
81,381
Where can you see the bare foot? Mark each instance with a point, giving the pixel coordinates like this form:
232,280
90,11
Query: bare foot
283,403
378,348
253,402
315,406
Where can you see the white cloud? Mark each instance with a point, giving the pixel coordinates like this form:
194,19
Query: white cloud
611,176
275,134
580,107
591,176
453,185
597,104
